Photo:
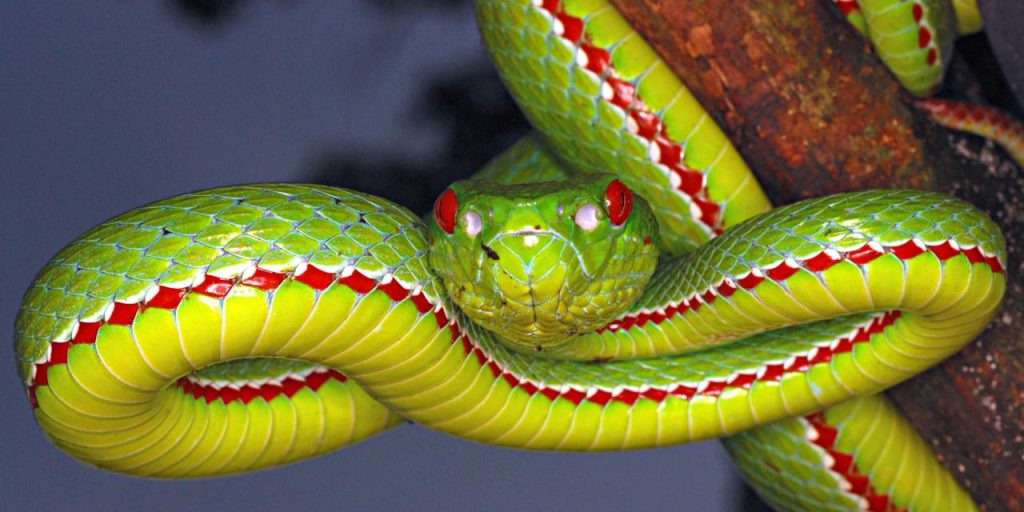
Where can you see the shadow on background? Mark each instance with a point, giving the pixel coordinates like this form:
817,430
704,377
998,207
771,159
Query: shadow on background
210,13
477,120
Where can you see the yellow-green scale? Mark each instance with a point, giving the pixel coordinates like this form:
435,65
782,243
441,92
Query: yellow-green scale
113,403
161,431
560,97
883,446
894,33
862,372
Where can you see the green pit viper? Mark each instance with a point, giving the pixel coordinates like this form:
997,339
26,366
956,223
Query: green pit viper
245,327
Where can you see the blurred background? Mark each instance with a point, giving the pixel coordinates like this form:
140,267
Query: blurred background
105,106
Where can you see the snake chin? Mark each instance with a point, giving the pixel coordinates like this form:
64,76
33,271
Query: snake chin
541,263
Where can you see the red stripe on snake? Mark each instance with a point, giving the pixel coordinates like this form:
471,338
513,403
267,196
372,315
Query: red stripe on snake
85,332
640,120
842,464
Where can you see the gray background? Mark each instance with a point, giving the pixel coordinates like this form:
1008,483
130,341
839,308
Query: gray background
107,106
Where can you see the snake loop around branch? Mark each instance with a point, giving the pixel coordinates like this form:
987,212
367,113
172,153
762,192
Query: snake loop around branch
244,327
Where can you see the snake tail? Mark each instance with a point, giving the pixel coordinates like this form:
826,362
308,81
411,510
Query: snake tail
984,121
591,86
240,328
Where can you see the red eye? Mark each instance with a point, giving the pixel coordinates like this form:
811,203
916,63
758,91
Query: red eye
618,198
444,211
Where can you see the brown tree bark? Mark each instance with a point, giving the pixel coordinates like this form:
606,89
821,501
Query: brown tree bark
814,112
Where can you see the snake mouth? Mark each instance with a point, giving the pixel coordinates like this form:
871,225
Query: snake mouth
530,236
489,252
536,230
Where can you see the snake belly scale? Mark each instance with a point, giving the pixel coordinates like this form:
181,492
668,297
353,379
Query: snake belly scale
244,327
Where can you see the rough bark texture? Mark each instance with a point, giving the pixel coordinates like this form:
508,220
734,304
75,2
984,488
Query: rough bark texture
814,112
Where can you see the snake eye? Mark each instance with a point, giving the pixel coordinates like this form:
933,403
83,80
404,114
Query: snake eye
473,223
444,211
586,217
618,198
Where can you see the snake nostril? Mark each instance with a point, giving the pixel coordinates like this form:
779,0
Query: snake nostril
490,252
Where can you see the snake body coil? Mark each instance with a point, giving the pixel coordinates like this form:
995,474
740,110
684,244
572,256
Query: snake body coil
243,327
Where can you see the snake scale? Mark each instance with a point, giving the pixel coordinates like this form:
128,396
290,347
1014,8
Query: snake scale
244,327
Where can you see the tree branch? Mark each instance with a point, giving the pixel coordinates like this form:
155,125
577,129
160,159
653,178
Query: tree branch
814,112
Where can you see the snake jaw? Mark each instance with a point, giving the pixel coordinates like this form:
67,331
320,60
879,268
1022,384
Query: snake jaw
530,271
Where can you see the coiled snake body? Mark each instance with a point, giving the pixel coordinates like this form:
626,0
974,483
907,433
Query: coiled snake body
244,327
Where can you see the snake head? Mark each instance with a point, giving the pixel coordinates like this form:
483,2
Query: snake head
539,263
